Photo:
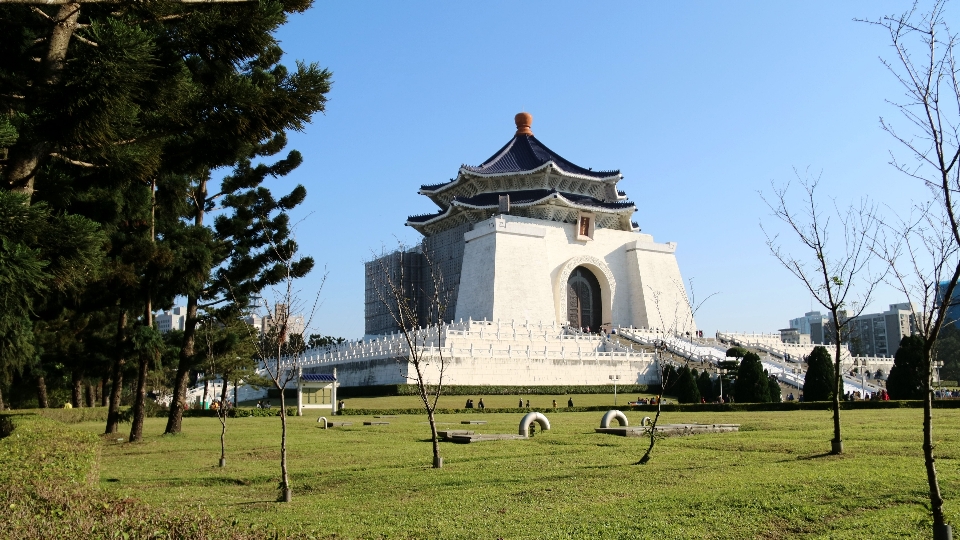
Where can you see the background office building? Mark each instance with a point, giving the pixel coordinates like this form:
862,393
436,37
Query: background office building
873,334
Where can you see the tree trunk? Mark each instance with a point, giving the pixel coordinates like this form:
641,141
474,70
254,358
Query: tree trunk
222,413
91,398
656,418
101,394
936,499
437,460
139,399
2,405
42,393
836,445
178,402
285,491
206,391
140,394
76,396
24,159
175,419
113,415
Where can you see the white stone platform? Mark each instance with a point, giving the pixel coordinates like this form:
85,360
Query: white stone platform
487,353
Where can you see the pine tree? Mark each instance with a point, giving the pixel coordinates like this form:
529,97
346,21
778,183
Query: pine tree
705,386
668,381
818,384
145,95
751,386
906,376
686,388
45,256
776,393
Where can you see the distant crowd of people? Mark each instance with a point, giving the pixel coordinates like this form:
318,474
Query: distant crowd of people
480,405
520,404
857,395
216,405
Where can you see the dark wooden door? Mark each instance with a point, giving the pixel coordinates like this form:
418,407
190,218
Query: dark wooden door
583,300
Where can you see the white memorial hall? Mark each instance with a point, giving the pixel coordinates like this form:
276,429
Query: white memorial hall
539,257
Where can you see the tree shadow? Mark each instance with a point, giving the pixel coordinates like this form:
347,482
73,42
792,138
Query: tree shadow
814,456
264,502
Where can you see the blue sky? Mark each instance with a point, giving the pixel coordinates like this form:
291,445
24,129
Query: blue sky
699,104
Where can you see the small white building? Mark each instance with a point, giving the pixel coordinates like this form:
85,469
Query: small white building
317,391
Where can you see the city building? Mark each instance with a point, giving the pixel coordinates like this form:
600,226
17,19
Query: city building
953,310
295,323
174,319
879,334
871,334
793,335
812,324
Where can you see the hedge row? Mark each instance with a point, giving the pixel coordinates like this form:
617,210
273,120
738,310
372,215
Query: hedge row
491,390
99,414
685,407
239,412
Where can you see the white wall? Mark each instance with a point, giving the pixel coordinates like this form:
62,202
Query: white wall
516,268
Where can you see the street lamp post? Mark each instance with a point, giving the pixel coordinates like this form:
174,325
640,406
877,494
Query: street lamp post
797,371
720,373
615,379
937,364
863,370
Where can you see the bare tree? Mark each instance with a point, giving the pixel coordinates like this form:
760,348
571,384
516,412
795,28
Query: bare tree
681,322
659,349
925,264
923,251
280,348
833,270
228,354
418,305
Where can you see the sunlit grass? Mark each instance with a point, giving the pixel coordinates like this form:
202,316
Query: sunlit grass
770,480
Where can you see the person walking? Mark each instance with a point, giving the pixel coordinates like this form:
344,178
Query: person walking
570,402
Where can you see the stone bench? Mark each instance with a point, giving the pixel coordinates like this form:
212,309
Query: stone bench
478,437
670,430
476,422
450,433
376,423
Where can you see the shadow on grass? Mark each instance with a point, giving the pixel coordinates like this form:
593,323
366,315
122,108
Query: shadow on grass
263,504
815,456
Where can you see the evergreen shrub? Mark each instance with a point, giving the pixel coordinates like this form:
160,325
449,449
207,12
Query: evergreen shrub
686,390
907,374
752,383
818,383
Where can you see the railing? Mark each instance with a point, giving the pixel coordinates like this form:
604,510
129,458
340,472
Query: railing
487,338
675,344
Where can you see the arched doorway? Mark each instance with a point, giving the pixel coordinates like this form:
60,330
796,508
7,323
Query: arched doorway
583,300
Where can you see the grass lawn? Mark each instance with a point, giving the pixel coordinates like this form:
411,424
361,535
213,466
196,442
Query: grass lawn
771,480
